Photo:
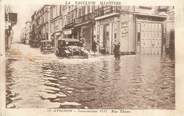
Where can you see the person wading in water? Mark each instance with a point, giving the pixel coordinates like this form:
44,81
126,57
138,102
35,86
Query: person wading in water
94,46
117,51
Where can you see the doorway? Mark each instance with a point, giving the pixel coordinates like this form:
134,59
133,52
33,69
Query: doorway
106,39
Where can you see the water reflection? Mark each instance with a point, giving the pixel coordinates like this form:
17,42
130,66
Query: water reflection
136,82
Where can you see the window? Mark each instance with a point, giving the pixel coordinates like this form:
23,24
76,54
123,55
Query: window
83,10
88,9
60,9
51,12
75,13
93,8
138,32
79,12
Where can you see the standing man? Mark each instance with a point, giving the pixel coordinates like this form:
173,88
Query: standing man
94,48
117,50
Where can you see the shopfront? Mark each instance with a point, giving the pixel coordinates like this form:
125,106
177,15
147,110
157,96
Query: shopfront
106,31
84,31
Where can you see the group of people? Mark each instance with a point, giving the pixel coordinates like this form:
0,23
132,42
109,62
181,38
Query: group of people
116,50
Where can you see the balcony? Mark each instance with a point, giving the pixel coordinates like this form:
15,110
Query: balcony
106,10
79,20
69,23
84,18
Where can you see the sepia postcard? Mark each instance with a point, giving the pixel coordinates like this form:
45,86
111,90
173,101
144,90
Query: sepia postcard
91,57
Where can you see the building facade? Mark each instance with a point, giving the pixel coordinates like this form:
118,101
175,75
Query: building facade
107,27
170,32
10,21
79,24
44,22
56,23
138,29
34,37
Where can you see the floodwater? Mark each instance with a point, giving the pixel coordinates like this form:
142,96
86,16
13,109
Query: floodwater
34,80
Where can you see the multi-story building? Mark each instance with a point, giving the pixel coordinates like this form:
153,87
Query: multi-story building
34,37
107,26
40,25
44,22
56,23
10,21
72,22
138,29
80,23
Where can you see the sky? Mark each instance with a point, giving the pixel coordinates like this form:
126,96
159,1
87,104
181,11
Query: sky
24,12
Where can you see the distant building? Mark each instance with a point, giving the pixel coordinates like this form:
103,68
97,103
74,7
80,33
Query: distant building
44,22
27,32
35,33
40,26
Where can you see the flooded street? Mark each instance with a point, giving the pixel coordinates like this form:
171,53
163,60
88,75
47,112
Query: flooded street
34,80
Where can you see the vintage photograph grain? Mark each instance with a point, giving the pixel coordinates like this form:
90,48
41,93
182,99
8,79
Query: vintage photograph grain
90,56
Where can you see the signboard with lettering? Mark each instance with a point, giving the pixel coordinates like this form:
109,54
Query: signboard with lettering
107,9
124,30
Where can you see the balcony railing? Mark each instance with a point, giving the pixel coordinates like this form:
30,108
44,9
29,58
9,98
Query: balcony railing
80,19
84,18
98,12
106,10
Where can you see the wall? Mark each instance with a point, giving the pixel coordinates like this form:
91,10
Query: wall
127,33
